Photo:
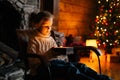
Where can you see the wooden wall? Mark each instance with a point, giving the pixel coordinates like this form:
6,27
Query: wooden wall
75,16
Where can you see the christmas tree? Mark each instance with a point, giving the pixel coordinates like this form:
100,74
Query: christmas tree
106,26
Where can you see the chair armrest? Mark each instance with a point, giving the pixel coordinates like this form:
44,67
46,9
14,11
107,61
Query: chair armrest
96,50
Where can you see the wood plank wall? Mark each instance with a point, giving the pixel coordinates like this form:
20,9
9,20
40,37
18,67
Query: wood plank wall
75,16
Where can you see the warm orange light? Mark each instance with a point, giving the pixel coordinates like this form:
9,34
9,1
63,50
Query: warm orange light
91,42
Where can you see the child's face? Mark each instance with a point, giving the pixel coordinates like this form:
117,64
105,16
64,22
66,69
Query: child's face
46,26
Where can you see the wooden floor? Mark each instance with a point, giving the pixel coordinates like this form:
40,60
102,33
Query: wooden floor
107,68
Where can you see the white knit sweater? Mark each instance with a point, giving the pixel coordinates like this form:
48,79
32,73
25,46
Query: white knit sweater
39,44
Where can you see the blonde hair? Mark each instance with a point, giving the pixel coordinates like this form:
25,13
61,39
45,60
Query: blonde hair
37,17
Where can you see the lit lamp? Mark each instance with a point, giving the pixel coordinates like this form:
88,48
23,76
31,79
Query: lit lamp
92,42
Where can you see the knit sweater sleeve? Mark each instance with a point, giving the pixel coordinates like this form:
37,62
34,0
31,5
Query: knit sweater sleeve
32,46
